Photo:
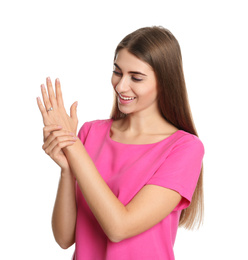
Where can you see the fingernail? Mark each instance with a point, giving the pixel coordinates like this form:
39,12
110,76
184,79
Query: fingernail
48,78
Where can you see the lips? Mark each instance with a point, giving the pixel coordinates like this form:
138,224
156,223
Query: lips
126,98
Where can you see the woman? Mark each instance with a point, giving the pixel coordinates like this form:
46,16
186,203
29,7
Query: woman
135,173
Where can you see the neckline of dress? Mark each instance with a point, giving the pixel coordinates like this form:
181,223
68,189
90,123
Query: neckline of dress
113,141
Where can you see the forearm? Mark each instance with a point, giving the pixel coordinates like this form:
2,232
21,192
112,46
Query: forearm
64,213
107,209
148,207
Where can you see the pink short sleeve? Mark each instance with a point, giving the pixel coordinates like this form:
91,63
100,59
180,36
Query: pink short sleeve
83,132
181,169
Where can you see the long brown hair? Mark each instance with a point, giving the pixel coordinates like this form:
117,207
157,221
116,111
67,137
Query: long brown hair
159,48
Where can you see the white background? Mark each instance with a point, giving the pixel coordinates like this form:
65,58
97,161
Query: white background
75,41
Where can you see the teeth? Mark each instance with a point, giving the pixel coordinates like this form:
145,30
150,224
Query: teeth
126,98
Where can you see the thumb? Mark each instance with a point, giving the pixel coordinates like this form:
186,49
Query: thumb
73,111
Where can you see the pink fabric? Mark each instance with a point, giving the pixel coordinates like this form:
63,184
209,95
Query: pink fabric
174,163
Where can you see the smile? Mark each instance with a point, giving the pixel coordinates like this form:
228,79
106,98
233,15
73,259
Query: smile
126,98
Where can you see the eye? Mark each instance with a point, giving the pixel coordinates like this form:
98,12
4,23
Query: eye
136,79
117,73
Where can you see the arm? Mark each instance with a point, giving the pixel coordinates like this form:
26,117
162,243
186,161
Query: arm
64,212
148,207
151,205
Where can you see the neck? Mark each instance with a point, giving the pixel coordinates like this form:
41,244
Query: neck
138,124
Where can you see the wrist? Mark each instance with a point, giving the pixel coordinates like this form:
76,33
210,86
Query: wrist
65,172
72,147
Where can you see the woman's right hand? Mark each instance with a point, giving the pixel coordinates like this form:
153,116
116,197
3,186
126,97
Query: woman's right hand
55,140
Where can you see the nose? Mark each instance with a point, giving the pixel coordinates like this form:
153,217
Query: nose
122,85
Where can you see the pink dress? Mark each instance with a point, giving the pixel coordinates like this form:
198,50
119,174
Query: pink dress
173,163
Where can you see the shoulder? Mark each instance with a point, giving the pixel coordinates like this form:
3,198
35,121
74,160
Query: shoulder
95,124
186,142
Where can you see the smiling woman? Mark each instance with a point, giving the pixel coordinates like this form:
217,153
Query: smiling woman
127,182
135,84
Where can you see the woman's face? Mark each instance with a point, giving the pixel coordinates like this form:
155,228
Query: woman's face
135,83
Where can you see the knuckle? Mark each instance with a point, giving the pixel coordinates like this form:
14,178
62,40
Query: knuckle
47,103
57,139
53,134
46,129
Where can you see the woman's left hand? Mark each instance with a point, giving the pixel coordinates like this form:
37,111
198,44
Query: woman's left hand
55,142
53,111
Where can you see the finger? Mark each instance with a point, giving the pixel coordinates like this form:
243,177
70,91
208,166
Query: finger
58,91
73,111
53,135
56,136
46,100
48,147
48,129
51,92
60,146
42,110
41,107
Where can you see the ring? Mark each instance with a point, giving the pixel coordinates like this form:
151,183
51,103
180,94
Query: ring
50,109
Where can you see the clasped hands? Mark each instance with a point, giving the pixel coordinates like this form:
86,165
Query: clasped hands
59,128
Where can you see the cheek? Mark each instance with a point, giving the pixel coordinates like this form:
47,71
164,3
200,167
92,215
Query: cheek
114,81
149,92
153,91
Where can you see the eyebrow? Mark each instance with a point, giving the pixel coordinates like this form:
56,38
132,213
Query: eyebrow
132,72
